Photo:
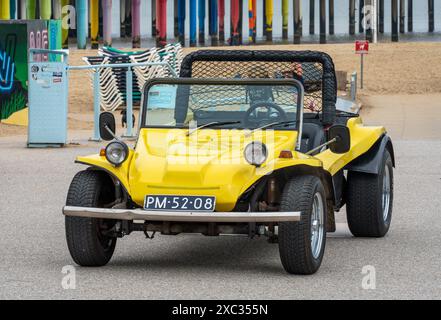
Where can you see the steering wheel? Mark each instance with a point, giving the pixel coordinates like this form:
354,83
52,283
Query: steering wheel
272,109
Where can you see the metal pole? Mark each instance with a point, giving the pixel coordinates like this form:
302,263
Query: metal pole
331,17
360,16
193,18
394,20
322,21
431,16
94,23
81,11
269,14
402,15
297,22
96,106
351,17
181,21
136,23
129,102
381,17
361,71
409,15
375,21
221,17
312,16
285,18
368,21
201,20
107,22
213,22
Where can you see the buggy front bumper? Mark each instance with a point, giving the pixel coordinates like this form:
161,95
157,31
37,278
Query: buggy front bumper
181,216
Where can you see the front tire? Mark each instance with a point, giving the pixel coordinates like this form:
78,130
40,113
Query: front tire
86,239
369,200
302,243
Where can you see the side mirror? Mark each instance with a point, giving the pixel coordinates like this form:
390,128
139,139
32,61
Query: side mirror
342,139
107,126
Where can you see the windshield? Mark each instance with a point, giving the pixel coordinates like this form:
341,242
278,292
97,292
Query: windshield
237,104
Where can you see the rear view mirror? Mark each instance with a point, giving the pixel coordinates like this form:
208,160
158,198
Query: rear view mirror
107,126
342,139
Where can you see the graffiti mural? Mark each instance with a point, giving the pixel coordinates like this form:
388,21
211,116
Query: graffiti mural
16,38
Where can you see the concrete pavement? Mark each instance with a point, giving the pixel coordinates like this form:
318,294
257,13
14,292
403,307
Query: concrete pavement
33,251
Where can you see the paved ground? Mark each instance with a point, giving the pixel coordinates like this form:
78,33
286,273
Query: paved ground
33,186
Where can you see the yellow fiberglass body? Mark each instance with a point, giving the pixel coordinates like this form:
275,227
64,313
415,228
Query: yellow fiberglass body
169,162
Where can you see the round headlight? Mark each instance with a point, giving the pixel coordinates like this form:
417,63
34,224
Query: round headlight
256,153
117,152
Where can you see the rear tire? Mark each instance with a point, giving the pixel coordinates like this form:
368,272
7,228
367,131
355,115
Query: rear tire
369,200
87,244
302,243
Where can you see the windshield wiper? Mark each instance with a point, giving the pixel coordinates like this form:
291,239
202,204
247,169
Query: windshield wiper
212,124
273,124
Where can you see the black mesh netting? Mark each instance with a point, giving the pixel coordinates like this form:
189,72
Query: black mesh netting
240,97
315,70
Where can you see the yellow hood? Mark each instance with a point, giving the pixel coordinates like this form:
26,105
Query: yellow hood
208,162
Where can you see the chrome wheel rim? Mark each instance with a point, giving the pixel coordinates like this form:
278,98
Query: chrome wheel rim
317,225
386,193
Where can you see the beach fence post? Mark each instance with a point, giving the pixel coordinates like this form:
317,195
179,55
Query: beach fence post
5,10
381,16
394,20
360,16
285,18
45,9
269,13
94,23
13,9
368,19
175,17
322,21
193,18
107,22
181,21
21,12
201,20
409,16
402,15
351,17
312,15
221,18
81,10
213,22
64,20
297,22
31,6
331,17
431,13
136,23
374,20
161,23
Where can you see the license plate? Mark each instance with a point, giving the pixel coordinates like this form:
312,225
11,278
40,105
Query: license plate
182,203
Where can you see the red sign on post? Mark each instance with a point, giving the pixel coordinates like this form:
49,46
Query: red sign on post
362,47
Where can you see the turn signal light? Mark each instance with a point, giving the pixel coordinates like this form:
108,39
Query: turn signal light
103,152
285,154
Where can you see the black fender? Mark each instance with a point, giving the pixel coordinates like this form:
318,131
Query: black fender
370,162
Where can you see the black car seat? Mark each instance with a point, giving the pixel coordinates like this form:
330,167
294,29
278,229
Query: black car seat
313,135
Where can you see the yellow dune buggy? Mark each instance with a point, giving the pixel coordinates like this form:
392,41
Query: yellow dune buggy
243,142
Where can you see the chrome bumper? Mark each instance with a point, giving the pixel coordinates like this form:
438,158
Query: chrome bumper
181,216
